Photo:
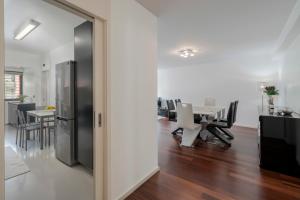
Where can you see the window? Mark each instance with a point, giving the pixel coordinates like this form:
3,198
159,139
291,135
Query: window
13,85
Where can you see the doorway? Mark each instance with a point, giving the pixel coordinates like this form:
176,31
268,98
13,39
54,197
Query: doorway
59,185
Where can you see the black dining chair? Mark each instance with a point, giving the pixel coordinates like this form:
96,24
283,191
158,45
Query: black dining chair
217,127
171,110
225,130
177,101
235,110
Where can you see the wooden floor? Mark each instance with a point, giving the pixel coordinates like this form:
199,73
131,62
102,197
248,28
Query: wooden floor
212,172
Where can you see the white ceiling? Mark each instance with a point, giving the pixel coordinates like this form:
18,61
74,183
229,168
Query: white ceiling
218,29
56,29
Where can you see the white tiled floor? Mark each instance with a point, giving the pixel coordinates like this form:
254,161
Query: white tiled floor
49,179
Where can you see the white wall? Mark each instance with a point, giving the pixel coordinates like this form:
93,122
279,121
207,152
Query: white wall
132,75
291,76
2,64
226,81
56,56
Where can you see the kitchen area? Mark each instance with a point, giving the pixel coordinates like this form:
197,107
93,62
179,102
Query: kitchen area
49,107
69,124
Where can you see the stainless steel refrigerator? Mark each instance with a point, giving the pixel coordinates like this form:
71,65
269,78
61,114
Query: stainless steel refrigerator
64,142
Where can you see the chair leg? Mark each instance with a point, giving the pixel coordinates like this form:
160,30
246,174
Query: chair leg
179,129
39,134
49,135
26,139
23,132
227,133
20,137
189,137
45,137
217,134
17,135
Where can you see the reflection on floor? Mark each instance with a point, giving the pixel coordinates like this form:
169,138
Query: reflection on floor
49,179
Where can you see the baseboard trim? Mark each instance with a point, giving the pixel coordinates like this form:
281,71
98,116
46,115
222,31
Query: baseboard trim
139,184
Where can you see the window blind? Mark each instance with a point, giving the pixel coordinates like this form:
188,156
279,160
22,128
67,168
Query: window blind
13,85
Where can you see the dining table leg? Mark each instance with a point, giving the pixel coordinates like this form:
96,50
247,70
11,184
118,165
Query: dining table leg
41,133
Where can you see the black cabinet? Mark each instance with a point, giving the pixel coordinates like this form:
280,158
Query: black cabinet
279,144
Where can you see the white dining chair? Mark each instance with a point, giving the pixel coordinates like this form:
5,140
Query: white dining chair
185,120
209,101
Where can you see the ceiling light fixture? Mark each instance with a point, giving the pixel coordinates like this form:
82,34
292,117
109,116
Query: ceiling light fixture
26,29
185,53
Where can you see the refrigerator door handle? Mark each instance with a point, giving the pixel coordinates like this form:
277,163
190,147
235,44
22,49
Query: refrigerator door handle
61,118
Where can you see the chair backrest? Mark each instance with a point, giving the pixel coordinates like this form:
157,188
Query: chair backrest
236,103
170,104
21,117
230,114
221,114
209,101
177,101
159,102
185,116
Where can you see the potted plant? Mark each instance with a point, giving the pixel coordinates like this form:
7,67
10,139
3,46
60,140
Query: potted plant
271,91
22,98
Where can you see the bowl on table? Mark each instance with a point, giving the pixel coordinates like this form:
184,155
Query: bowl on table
285,112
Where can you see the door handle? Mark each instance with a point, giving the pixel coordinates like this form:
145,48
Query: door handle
99,120
61,118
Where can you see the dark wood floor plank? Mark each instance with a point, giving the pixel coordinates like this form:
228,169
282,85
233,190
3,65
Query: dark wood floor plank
212,172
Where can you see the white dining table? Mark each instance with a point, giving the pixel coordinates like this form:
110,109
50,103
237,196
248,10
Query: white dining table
207,110
41,115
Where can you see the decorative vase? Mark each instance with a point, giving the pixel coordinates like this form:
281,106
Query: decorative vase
271,100
271,104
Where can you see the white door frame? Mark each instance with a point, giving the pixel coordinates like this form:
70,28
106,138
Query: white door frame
99,85
2,110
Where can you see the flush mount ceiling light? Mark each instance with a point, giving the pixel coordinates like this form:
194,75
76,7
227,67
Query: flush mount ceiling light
26,29
185,53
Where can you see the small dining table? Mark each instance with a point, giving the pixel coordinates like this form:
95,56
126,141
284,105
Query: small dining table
41,115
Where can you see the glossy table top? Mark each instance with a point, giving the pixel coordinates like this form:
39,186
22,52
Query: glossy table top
207,110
